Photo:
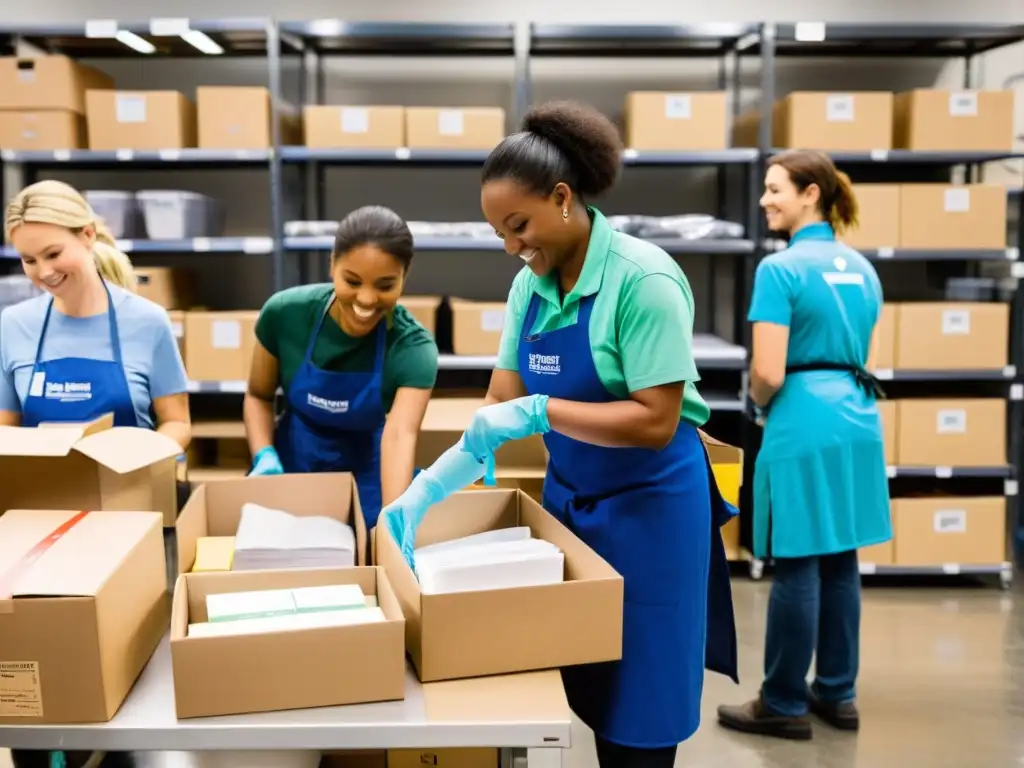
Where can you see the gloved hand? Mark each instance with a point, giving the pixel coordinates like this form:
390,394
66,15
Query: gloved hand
453,471
267,462
494,425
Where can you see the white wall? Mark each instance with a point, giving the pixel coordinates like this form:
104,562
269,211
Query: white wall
452,194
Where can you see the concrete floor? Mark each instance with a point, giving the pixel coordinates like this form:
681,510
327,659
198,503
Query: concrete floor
942,685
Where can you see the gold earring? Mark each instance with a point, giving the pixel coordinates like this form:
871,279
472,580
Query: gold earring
565,214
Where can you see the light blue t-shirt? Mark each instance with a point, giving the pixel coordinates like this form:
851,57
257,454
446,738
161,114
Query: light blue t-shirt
149,350
830,298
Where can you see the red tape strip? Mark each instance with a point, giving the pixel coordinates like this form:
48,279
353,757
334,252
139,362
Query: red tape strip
8,579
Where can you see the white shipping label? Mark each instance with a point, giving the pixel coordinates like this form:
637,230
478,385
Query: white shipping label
839,108
956,322
355,120
21,692
951,421
950,521
178,329
130,108
957,200
450,123
963,104
226,334
492,321
678,106
26,72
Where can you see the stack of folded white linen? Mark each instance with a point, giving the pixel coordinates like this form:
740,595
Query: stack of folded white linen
270,539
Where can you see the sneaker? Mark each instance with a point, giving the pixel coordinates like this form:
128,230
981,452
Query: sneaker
754,717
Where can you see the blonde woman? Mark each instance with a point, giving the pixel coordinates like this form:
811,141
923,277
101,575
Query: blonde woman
89,345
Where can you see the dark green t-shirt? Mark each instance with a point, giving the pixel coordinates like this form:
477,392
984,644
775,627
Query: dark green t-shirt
290,316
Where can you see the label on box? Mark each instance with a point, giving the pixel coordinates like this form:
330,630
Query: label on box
226,334
21,694
449,122
678,106
492,321
26,71
178,329
130,108
951,421
957,200
963,104
956,322
355,120
839,108
950,521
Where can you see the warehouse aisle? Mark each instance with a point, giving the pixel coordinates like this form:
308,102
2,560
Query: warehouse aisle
942,685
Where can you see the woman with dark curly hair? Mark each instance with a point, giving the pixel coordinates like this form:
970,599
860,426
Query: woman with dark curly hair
597,355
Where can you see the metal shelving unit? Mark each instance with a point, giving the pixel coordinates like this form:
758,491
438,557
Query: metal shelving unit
162,38
934,41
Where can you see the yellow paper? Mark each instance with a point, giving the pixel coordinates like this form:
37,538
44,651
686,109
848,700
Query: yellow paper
214,553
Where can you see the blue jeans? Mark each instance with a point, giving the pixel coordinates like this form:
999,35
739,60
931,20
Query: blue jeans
814,608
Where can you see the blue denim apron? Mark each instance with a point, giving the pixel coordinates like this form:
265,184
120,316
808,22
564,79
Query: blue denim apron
653,515
78,389
333,422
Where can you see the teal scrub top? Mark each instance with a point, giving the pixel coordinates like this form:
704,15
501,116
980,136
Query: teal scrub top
641,327
820,478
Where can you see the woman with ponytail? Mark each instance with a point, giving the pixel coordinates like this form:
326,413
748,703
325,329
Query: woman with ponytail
820,485
89,345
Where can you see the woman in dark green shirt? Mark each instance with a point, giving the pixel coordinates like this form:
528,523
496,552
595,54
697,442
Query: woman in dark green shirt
356,368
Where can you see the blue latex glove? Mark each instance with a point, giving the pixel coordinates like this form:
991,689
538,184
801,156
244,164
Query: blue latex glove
495,425
453,471
267,462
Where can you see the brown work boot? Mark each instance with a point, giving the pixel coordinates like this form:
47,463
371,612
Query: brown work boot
842,715
754,717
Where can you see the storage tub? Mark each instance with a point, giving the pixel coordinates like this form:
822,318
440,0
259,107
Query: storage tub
118,210
176,215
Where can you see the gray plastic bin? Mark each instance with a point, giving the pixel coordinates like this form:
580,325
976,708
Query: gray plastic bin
176,214
118,210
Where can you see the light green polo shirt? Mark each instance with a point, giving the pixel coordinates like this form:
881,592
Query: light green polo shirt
641,327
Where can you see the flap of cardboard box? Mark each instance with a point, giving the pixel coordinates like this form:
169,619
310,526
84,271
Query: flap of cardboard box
126,449
719,452
62,553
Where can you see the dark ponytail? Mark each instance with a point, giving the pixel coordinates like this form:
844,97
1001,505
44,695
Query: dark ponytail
560,142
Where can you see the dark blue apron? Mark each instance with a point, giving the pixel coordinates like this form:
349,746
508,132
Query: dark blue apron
79,389
649,514
334,421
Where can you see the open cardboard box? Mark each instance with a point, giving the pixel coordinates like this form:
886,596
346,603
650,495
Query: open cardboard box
83,605
99,466
215,509
494,632
291,669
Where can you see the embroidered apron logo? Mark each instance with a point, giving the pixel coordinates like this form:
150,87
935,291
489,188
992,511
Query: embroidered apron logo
331,406
69,391
549,365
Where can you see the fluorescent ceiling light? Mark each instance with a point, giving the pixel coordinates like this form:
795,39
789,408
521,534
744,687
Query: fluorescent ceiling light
202,42
134,42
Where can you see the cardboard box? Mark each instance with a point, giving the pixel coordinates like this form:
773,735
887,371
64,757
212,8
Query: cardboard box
953,336
454,128
140,120
28,131
47,82
944,216
178,327
216,509
476,326
424,309
170,287
676,121
879,217
940,120
299,668
952,433
878,554
493,632
888,411
727,466
457,757
80,619
343,127
883,341
937,531
233,117
99,466
857,121
220,345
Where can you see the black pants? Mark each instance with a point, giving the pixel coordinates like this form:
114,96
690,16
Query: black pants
617,756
